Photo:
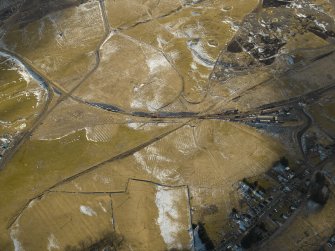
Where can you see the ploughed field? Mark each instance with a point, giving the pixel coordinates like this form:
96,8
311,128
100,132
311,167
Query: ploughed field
117,116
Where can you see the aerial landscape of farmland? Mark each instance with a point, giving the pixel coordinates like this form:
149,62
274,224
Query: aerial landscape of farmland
167,125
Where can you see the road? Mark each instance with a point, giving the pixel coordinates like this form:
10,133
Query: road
291,184
50,85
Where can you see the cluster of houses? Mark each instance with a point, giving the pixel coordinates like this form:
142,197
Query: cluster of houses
316,150
331,242
282,173
254,196
273,205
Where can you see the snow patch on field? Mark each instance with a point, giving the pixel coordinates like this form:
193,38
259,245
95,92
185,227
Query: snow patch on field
135,125
87,211
136,104
174,55
168,216
233,25
31,203
107,38
27,76
52,242
185,143
176,27
155,164
102,207
86,15
322,25
77,186
56,137
200,55
21,126
161,42
39,95
101,179
18,66
14,232
154,103
109,48
24,74
154,154
157,63
100,133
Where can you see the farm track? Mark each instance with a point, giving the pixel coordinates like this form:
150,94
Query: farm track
64,95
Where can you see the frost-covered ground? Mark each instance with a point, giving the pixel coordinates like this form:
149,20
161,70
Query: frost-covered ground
126,144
